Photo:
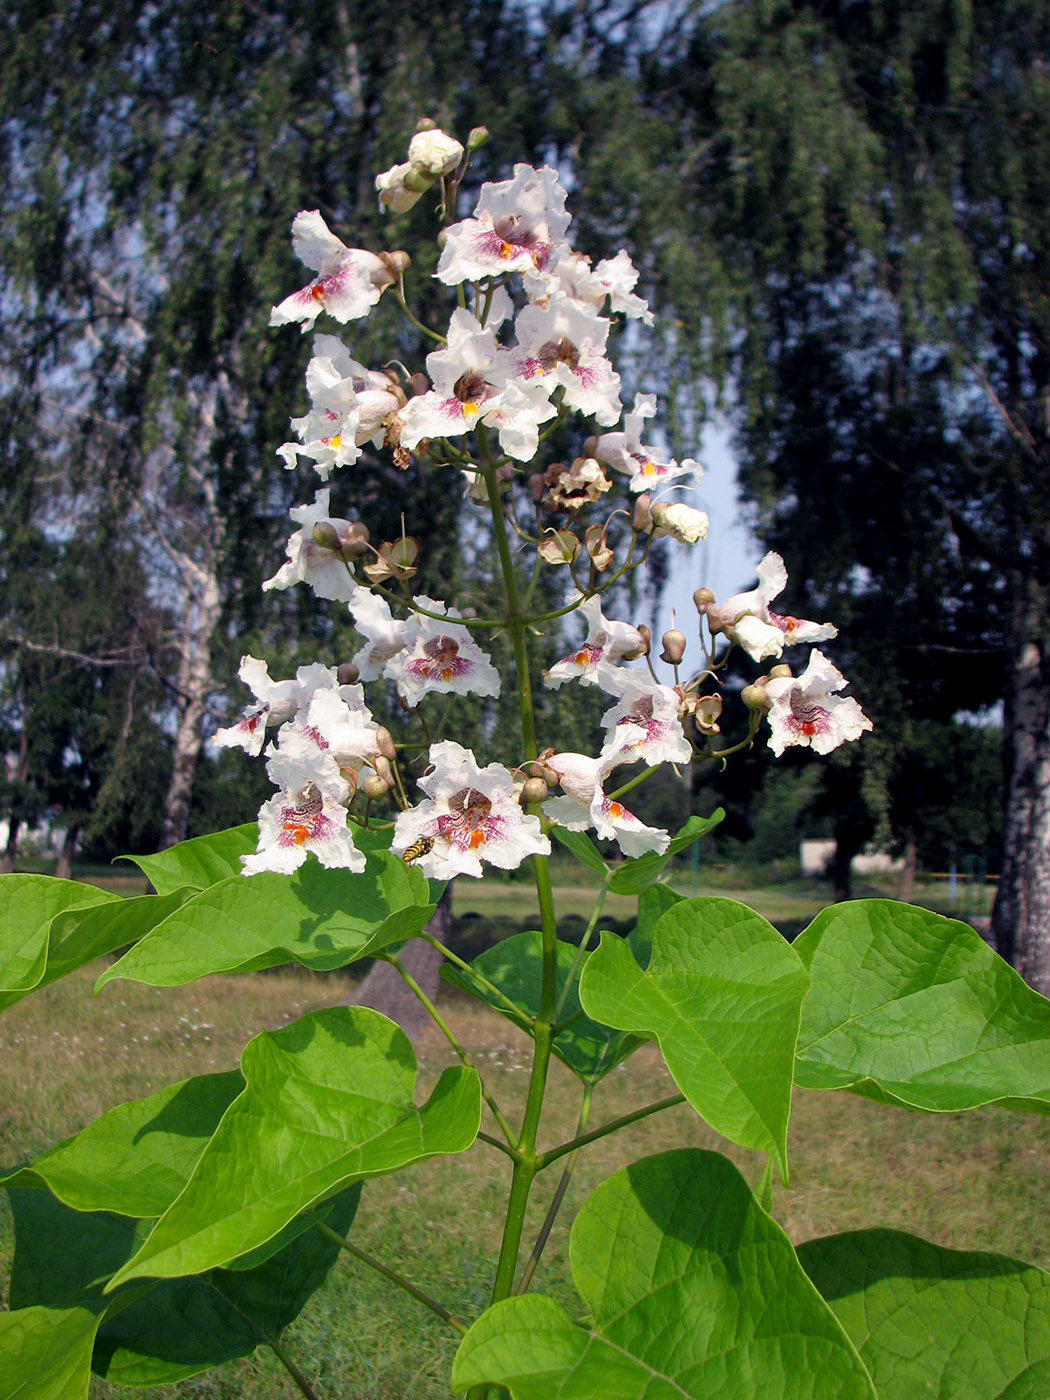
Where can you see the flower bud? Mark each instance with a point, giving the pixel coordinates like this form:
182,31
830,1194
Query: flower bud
680,522
348,674
533,790
643,520
755,697
385,742
356,540
702,597
589,446
417,384
538,769
537,485
325,535
398,190
426,124
396,262
780,673
382,766
646,637
432,153
374,786
673,643
478,136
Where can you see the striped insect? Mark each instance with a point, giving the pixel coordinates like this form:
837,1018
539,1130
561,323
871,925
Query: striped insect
418,849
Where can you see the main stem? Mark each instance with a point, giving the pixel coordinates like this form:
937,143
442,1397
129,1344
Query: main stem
526,1166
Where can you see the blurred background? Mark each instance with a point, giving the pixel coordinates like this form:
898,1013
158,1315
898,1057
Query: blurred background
841,216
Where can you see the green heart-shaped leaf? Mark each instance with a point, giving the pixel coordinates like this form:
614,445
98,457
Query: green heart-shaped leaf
328,1103
46,1353
692,1291
722,994
639,873
933,1321
319,918
135,1159
28,906
200,862
912,1008
173,1329
515,966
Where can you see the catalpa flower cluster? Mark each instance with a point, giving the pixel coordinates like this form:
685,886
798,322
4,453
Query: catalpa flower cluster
525,348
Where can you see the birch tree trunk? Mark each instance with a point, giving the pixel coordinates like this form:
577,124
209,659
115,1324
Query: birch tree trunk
1021,915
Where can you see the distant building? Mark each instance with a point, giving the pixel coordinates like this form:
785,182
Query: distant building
815,856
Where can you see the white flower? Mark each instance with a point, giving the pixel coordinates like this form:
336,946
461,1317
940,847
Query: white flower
323,568
564,343
645,724
472,815
279,701
586,805
306,815
681,522
515,225
626,452
349,281
747,619
463,393
605,641
571,273
440,655
433,153
385,634
806,711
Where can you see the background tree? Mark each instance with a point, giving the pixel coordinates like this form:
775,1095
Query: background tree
851,203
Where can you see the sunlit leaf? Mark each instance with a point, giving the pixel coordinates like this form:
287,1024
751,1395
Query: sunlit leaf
319,918
912,1008
46,1353
199,862
28,906
136,1158
328,1103
722,994
933,1321
691,1291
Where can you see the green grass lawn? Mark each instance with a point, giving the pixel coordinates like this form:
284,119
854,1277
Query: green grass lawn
975,1181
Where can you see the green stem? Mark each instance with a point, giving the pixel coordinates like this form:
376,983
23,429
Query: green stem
394,1277
439,1021
293,1370
581,950
473,974
613,1126
557,1198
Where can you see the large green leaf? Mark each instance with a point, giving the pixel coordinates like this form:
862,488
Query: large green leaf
515,966
161,1332
136,1158
692,1291
46,1353
328,1103
933,1321
722,994
319,918
912,1008
80,936
200,862
29,904
637,874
